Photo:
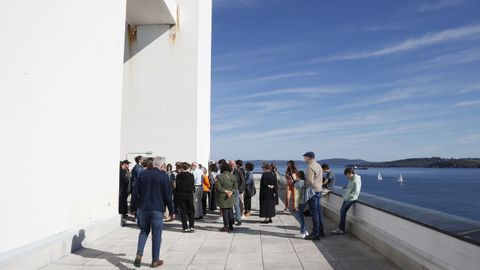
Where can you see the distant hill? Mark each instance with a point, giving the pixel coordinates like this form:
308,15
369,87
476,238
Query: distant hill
433,162
334,162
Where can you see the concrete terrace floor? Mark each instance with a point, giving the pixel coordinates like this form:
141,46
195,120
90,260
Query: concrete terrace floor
253,246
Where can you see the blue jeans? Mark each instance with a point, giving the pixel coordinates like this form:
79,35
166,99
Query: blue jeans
300,215
343,214
236,206
316,212
150,220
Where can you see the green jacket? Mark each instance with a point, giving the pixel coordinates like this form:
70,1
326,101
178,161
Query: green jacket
226,181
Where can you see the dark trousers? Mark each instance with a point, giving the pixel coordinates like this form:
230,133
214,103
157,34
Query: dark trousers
150,220
184,202
247,203
122,203
228,220
316,212
212,201
204,201
343,214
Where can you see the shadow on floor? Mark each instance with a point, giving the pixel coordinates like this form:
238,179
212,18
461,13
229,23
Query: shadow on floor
114,259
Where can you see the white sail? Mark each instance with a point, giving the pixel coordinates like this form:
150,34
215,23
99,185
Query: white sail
379,177
400,179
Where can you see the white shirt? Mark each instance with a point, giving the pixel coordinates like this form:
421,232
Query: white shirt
198,176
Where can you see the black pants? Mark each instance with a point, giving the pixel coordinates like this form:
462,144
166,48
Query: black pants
184,202
204,202
212,201
247,200
122,203
228,218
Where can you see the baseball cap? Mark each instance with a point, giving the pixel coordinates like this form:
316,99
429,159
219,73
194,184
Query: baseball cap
309,154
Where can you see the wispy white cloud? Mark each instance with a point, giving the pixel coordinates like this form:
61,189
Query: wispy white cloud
441,4
458,57
394,26
460,33
467,103
470,89
471,138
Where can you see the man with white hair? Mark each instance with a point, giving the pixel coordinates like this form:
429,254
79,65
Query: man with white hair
197,197
153,194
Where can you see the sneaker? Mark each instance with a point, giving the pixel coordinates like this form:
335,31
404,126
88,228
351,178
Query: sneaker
238,223
243,217
285,210
303,235
338,231
186,230
192,230
219,220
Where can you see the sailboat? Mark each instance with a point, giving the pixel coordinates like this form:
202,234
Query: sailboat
400,179
379,177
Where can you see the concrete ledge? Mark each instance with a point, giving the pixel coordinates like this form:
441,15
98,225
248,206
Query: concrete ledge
140,12
407,244
46,251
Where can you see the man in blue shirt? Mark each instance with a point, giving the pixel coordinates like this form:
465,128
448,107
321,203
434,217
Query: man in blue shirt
153,194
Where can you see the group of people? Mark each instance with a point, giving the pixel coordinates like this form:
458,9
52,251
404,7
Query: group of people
157,193
306,189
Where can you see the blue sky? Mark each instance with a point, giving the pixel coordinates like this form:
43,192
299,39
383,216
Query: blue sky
378,80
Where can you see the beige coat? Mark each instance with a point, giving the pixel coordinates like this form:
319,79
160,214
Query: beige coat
314,176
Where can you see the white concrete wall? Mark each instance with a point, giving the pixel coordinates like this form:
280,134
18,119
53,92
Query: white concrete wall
60,116
166,95
407,244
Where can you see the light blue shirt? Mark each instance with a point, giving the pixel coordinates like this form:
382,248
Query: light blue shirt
198,176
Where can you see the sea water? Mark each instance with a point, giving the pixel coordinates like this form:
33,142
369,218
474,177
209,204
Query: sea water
452,191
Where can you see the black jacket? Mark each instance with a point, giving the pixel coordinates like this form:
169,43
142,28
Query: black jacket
240,179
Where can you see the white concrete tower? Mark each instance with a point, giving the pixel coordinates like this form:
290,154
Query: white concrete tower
166,94
77,95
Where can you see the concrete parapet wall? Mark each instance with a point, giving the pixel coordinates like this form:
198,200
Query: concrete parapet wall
407,244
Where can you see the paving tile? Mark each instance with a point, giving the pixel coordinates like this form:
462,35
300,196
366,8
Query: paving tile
73,259
212,266
177,258
244,265
244,257
210,258
282,265
62,267
253,246
317,266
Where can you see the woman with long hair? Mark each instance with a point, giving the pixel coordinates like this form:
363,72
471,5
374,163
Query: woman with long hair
289,185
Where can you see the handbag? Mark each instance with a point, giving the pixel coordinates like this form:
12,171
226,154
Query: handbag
251,189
